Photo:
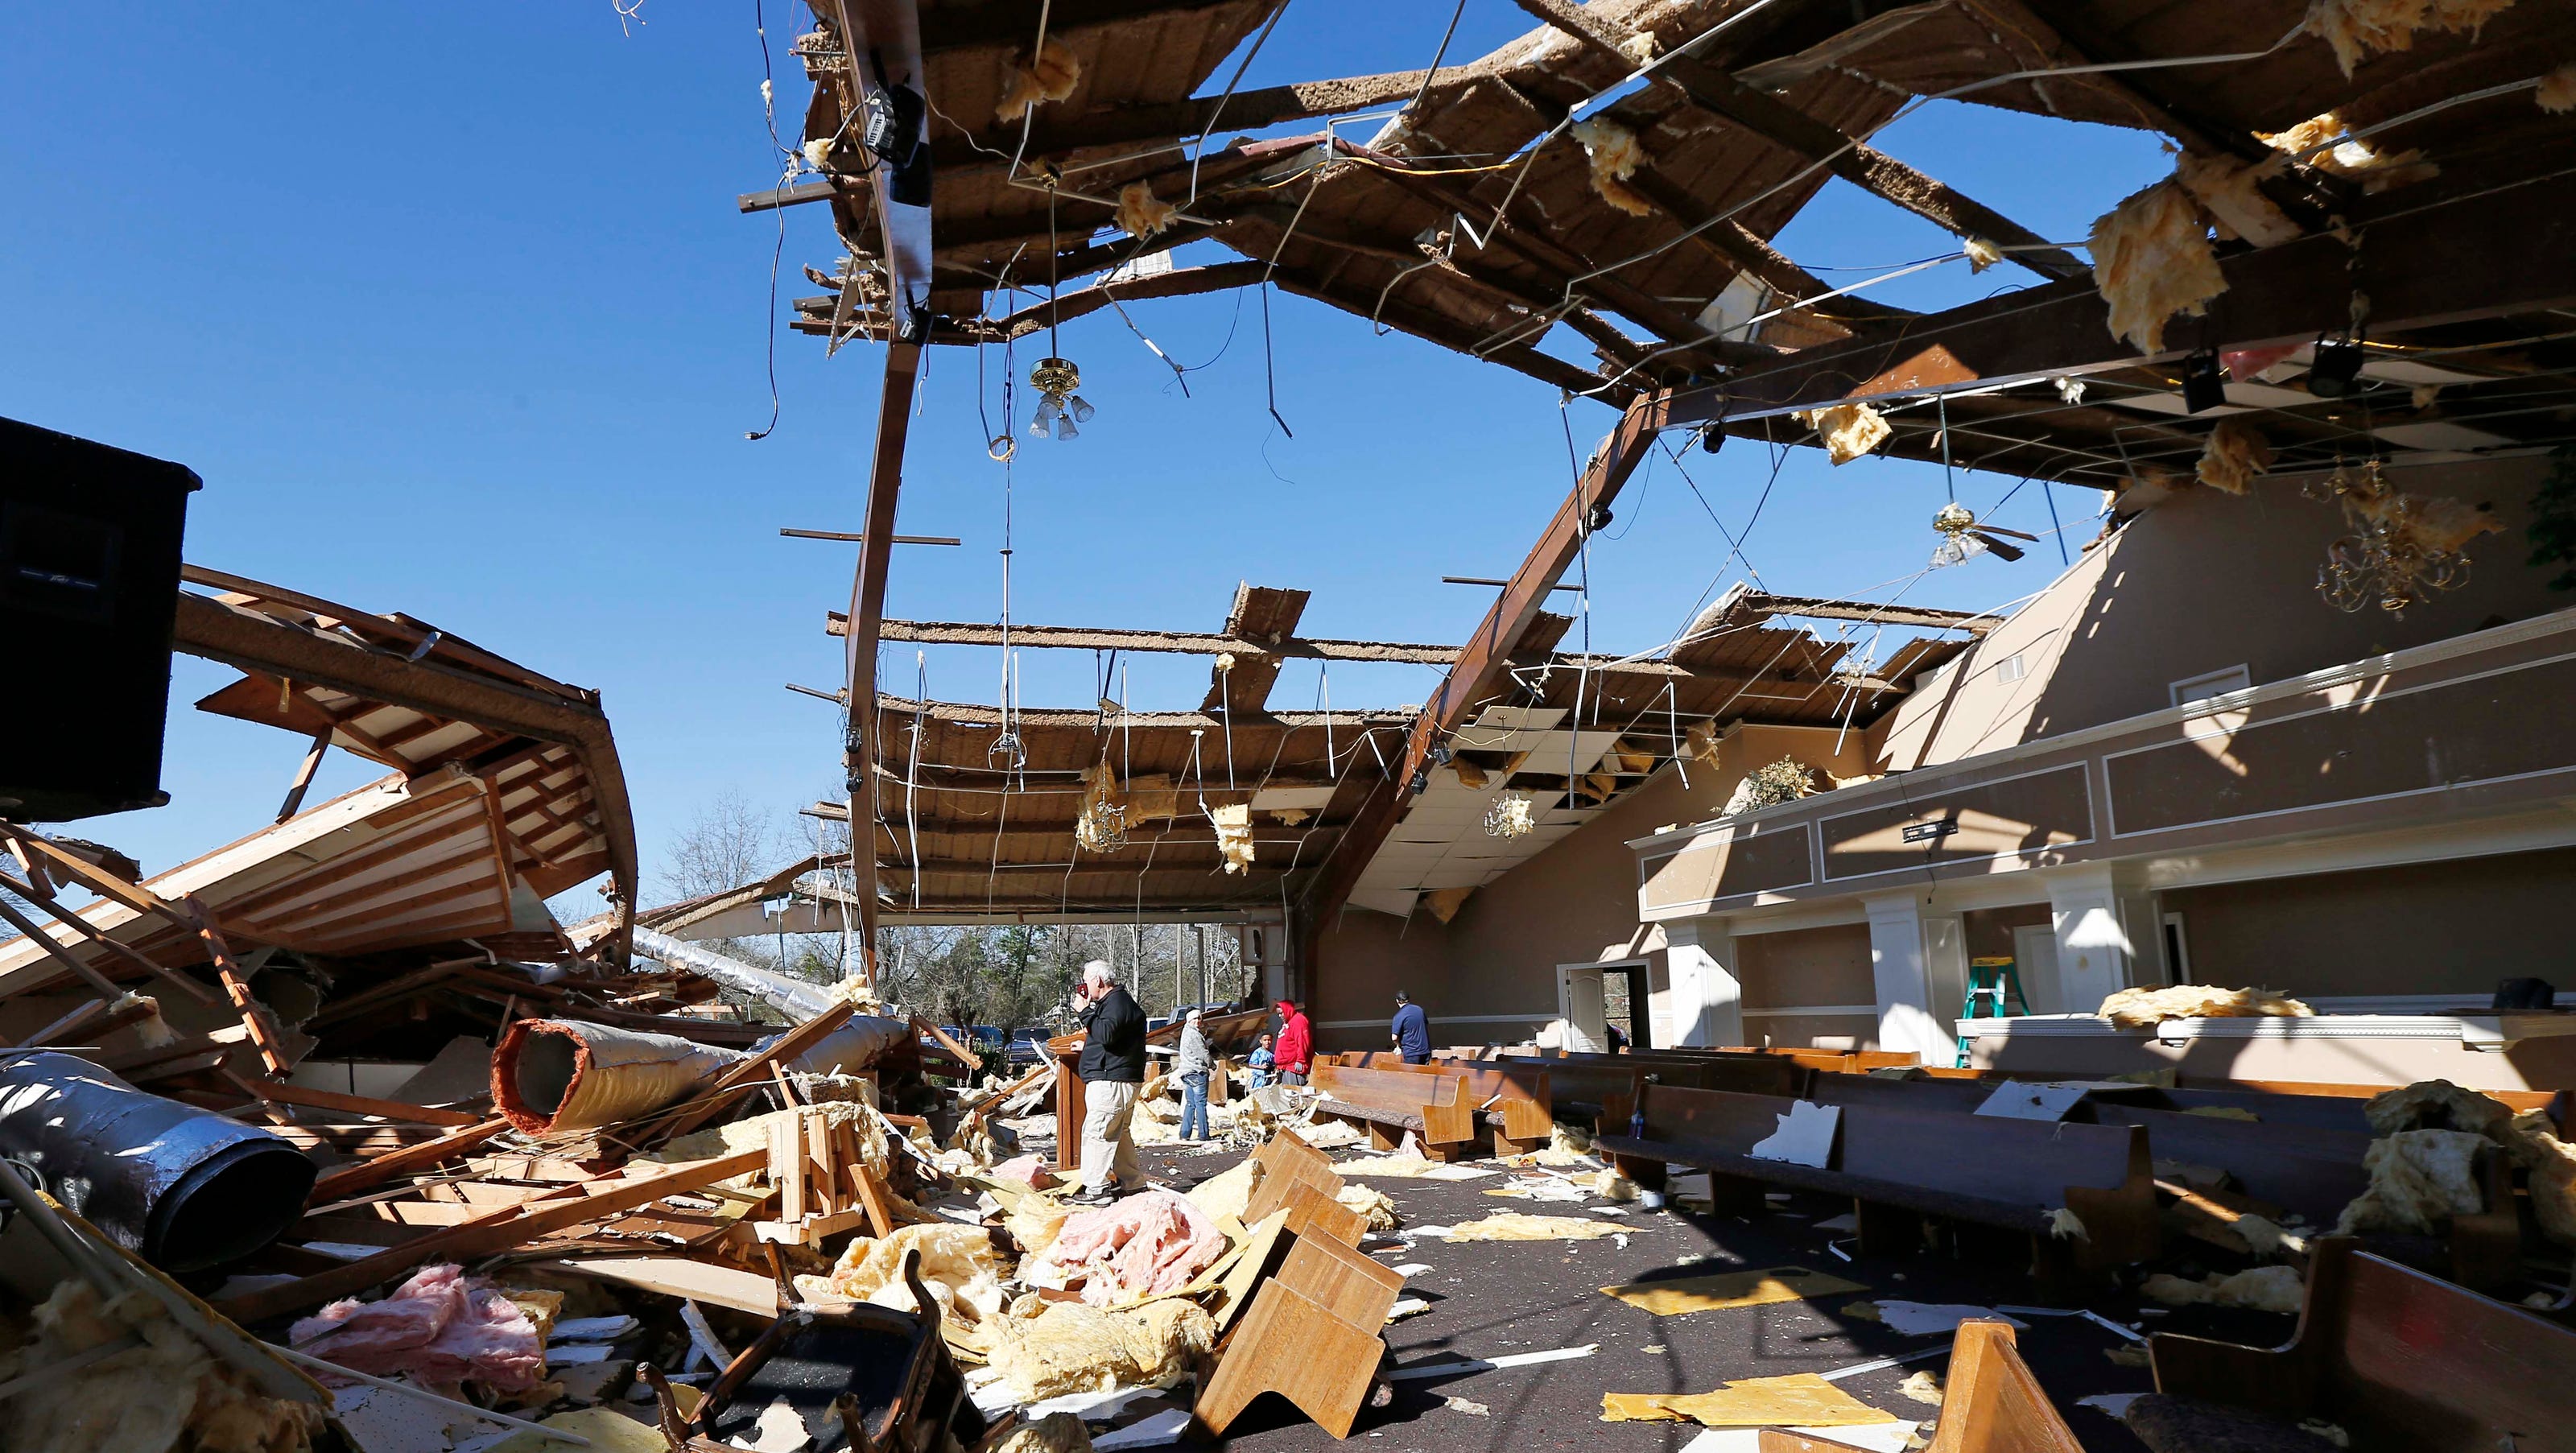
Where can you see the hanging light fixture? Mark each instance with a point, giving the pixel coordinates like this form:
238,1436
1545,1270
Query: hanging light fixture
2399,554
1962,538
1508,816
1059,407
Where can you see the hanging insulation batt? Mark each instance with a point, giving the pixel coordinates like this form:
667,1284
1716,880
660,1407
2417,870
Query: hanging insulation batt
1140,212
2357,29
2234,454
1615,155
563,1074
1051,77
1848,431
2152,260
1104,810
2354,157
2230,191
1234,835
2557,93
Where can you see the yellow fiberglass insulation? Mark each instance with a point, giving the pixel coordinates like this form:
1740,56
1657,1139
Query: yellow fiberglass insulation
2151,260
2557,93
1069,1347
2146,1008
2235,453
2263,1289
1848,430
1051,77
168,1393
2358,29
1373,1205
2229,191
1054,1433
2419,1180
1224,1196
1140,212
1981,254
1615,155
958,1265
2354,157
1233,835
1104,809
2435,1105
2532,1138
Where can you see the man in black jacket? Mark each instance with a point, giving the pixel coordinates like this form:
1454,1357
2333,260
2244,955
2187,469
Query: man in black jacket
1113,1071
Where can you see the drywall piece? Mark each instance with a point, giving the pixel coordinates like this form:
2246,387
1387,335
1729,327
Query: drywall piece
1679,1296
1869,1437
1805,1136
1154,1431
1923,1319
2018,1101
1515,1226
1452,1366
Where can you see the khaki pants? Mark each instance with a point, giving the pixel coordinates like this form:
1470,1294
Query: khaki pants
1107,1149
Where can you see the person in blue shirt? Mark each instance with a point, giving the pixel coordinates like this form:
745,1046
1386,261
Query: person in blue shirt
1411,1031
1260,1063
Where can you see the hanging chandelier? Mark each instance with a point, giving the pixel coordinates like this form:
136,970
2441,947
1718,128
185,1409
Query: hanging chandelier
1508,816
2404,548
1059,407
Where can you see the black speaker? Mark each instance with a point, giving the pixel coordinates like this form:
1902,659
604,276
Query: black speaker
89,586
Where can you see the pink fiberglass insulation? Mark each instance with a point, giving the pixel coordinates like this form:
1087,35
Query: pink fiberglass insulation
437,1327
1151,1242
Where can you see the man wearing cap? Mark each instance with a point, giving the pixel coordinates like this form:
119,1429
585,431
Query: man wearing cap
1296,1049
1112,1069
1411,1031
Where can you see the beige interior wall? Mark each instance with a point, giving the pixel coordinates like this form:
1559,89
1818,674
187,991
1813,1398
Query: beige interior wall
1365,957
1829,965
2197,584
2426,928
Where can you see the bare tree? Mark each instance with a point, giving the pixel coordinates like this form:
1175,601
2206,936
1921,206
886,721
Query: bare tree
729,842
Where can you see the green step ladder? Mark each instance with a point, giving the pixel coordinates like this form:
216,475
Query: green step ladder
1988,981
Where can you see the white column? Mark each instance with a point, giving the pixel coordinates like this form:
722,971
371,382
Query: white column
1707,1002
2093,948
1906,1017
1945,974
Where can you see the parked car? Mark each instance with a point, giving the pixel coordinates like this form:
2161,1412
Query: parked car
1027,1047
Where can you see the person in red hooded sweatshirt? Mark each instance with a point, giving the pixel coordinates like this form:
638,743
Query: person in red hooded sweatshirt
1296,1051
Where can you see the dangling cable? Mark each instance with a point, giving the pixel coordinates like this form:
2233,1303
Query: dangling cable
1270,366
1941,403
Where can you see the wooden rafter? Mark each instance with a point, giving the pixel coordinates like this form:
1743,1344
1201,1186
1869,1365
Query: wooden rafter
1712,90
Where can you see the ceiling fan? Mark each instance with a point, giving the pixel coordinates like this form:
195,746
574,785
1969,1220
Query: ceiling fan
1963,538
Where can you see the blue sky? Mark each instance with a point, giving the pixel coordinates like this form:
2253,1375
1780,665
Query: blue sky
452,309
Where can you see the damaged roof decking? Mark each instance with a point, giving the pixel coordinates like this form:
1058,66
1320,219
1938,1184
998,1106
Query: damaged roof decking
977,837
506,790
1365,231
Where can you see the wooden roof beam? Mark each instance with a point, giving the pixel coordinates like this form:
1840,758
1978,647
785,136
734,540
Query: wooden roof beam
1762,603
1711,89
1241,683
1176,123
2504,250
1082,302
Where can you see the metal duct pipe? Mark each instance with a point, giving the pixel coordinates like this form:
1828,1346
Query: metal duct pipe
184,1188
795,998
565,1074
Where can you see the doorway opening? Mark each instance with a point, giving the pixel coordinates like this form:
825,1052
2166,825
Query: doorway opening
1606,1007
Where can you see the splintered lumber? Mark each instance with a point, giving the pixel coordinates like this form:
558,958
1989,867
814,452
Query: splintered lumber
279,1093
495,1231
674,1276
348,1180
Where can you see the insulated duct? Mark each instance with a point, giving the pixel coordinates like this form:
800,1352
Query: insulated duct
564,1074
850,1049
184,1188
795,998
